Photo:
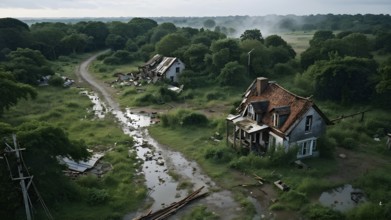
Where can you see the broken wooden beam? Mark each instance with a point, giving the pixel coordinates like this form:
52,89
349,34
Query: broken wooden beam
174,207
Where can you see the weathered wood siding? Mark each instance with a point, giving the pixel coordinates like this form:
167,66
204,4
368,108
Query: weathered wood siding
318,127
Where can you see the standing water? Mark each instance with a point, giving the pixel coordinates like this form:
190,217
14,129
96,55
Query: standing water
158,161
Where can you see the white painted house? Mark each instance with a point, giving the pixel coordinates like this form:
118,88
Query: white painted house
159,67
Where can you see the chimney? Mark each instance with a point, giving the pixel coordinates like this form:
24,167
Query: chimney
262,84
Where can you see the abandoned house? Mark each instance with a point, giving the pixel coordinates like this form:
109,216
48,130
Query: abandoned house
270,116
159,67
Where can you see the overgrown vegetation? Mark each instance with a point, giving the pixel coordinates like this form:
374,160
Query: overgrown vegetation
343,63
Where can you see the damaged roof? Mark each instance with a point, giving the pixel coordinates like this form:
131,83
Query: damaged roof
279,100
165,64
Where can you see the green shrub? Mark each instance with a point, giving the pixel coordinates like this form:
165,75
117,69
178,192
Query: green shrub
349,143
183,117
369,210
56,81
280,157
88,181
294,200
277,207
326,146
97,196
319,212
219,154
112,61
194,119
251,161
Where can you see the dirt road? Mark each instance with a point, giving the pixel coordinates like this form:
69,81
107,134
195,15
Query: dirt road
101,88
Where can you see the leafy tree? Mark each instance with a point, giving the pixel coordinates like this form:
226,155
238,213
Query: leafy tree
48,40
194,56
28,66
384,84
44,144
321,36
14,34
357,45
277,41
168,26
233,74
11,91
330,79
259,57
253,34
13,23
158,34
99,31
115,42
209,23
383,42
131,46
123,29
231,45
168,44
75,43
143,25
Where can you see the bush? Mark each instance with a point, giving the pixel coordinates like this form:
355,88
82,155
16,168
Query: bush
112,61
319,212
97,196
280,157
294,200
219,154
251,161
56,81
326,146
369,210
194,119
349,143
88,181
183,118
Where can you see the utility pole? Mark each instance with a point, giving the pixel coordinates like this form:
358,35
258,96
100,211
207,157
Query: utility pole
21,177
249,61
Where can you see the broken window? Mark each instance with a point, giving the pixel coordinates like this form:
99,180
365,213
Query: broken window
308,123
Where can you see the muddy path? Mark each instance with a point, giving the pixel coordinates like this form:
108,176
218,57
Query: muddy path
165,171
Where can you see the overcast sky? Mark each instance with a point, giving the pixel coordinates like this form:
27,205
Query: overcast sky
156,8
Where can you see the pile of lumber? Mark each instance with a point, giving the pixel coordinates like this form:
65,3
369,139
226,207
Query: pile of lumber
164,213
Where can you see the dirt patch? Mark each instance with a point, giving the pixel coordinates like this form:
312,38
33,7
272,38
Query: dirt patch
354,165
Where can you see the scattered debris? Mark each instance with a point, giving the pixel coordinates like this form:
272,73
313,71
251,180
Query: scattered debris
81,166
281,185
343,156
164,213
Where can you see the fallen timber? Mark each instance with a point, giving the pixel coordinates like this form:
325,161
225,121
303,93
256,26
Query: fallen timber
164,213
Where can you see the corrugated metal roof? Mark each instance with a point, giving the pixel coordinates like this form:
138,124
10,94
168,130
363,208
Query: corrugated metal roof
82,166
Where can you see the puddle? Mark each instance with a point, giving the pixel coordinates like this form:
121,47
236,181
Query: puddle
99,108
342,198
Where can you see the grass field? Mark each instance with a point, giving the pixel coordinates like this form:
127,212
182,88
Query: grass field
121,190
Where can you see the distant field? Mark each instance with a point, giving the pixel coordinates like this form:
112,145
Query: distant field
299,40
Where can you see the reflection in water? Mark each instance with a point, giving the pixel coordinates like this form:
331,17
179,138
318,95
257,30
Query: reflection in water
158,160
342,198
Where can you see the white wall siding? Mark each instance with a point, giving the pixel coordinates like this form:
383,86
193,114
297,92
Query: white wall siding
171,72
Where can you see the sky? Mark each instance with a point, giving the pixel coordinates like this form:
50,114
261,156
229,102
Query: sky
186,8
